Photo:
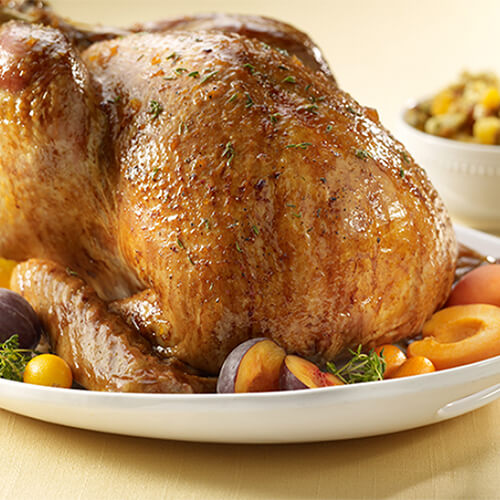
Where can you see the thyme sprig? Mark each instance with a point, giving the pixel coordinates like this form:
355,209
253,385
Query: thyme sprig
13,359
360,368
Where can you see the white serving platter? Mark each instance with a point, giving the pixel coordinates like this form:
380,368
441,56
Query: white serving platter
341,412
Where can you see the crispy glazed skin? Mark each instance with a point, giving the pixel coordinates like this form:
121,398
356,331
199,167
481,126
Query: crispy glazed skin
270,31
245,191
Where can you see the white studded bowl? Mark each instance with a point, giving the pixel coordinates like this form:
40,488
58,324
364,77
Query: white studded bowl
467,176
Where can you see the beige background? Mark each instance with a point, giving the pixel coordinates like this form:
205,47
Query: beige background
384,53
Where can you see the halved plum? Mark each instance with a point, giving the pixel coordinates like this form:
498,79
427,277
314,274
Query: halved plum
253,366
299,373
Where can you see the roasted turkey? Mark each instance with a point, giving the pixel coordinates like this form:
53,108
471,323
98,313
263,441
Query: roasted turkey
175,193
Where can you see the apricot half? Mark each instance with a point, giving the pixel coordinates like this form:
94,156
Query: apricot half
480,286
460,335
253,366
299,373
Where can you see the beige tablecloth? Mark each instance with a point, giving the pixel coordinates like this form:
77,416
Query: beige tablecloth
383,52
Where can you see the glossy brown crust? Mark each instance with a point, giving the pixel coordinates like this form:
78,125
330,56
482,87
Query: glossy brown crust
338,240
143,313
248,192
270,31
57,182
103,352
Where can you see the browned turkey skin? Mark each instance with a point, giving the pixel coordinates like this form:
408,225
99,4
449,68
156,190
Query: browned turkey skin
210,188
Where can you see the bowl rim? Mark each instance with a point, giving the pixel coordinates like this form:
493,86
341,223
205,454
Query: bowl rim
490,149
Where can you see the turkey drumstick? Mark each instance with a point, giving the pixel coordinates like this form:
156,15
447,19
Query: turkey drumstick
103,352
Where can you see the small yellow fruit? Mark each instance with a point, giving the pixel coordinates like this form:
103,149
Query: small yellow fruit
491,98
441,103
417,365
6,267
486,130
49,370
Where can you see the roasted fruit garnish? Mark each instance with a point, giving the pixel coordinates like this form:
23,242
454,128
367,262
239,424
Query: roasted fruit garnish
299,373
6,267
18,317
480,286
417,365
393,356
460,335
49,370
253,366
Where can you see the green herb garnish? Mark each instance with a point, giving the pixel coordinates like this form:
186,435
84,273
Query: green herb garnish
289,79
233,97
206,77
249,102
115,99
353,111
155,108
405,156
250,67
360,368
361,153
229,152
194,74
70,272
13,360
401,173
274,117
302,145
180,70
313,108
